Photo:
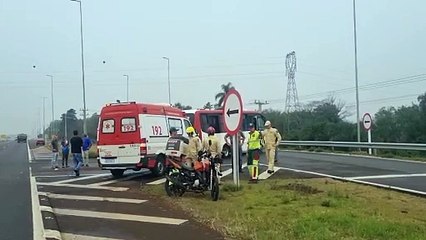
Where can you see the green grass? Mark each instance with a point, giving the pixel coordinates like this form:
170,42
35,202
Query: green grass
307,209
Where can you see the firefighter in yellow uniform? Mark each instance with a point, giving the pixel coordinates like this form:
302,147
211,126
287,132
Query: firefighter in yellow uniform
212,146
194,146
253,154
271,138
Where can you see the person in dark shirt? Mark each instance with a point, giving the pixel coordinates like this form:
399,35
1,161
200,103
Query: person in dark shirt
76,151
55,152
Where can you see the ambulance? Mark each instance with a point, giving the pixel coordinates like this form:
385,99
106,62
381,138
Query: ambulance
132,136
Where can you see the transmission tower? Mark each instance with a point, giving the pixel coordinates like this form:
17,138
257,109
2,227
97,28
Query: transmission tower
292,99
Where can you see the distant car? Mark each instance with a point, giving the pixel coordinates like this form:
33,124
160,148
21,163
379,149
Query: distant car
40,142
21,138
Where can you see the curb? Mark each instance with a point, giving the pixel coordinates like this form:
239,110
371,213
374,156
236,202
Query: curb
50,222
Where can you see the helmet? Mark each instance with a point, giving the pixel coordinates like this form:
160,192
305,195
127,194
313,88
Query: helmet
211,130
267,123
190,130
251,125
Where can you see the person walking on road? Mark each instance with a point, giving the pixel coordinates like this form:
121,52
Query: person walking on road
241,138
87,144
76,150
253,154
55,152
271,137
65,152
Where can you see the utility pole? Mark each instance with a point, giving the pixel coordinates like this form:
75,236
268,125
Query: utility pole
44,118
260,104
52,128
82,67
358,127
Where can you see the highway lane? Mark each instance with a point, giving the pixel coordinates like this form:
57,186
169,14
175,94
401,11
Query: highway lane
403,174
15,200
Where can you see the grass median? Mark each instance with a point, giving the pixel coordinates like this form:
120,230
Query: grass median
307,209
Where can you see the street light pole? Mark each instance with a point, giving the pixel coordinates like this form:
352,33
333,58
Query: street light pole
52,130
127,76
168,76
356,78
44,119
82,66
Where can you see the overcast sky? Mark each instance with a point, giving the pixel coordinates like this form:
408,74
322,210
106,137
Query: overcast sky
209,43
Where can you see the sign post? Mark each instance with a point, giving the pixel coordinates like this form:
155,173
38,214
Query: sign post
232,117
367,122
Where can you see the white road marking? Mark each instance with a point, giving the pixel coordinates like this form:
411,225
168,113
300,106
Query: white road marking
38,227
120,216
114,189
59,176
91,198
29,152
46,209
70,236
358,181
389,176
49,233
266,175
229,171
159,181
82,178
134,175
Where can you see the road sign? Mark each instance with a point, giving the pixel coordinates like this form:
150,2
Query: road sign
367,121
232,112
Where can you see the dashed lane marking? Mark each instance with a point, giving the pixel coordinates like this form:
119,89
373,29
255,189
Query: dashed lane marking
114,189
134,175
82,178
91,198
159,181
70,236
120,216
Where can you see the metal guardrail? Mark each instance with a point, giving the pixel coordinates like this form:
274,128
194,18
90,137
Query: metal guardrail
373,145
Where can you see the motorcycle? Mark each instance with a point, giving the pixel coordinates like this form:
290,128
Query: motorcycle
203,177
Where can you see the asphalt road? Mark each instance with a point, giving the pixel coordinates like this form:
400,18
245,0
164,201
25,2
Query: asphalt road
15,198
98,207
402,174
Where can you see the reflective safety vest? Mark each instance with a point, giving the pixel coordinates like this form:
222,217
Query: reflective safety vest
254,140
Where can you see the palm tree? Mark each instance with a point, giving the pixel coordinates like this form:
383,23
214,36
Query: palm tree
221,95
208,105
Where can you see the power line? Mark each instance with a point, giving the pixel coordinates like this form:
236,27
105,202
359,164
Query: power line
382,84
260,104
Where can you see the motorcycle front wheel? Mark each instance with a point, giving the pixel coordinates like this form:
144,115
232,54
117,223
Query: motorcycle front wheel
173,190
215,189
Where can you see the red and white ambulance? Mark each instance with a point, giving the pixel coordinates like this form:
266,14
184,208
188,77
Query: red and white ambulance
134,135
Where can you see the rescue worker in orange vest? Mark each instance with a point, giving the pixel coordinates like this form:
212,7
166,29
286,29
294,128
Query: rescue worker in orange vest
211,145
253,154
272,138
194,146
